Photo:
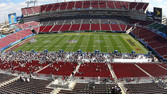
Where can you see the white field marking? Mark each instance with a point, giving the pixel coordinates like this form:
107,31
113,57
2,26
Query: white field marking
118,42
72,46
93,42
111,45
87,42
55,42
82,46
49,36
138,44
98,38
69,45
123,46
41,47
75,43
107,47
63,42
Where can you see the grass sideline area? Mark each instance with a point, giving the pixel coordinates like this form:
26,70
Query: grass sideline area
87,42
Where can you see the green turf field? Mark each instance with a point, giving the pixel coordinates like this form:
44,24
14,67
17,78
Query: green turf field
87,42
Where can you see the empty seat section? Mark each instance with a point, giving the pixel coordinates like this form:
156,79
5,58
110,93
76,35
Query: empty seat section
118,4
110,4
94,4
102,4
29,10
56,28
25,25
161,50
86,4
155,41
163,65
75,27
49,7
36,9
132,5
95,27
33,24
35,86
115,27
105,27
125,5
95,70
46,28
13,37
145,88
63,6
59,68
85,27
5,77
65,28
153,69
29,67
127,70
140,6
23,11
36,29
3,44
43,8
145,6
79,4
123,27
70,5
55,7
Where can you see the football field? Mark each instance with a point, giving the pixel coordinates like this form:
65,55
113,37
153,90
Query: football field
87,42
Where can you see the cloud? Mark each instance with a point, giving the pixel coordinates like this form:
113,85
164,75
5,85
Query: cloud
11,6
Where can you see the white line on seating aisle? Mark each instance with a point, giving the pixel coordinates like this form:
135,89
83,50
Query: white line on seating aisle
112,72
162,67
42,68
144,71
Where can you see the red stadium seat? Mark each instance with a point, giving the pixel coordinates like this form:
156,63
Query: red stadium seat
105,27
123,70
75,27
95,27
85,27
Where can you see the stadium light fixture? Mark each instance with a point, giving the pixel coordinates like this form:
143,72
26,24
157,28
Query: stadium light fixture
31,2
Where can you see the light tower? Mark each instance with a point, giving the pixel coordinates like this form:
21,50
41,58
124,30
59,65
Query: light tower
31,2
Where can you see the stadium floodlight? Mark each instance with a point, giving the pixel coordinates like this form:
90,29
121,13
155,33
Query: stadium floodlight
31,2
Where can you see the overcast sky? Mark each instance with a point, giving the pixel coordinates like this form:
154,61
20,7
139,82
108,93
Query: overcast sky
14,6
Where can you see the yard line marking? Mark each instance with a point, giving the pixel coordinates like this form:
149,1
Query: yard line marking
64,41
